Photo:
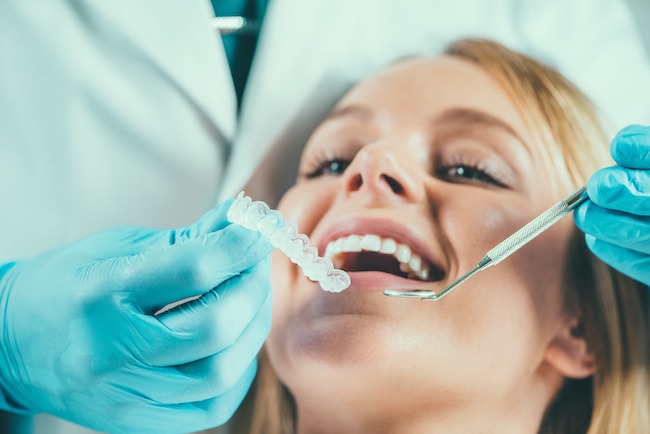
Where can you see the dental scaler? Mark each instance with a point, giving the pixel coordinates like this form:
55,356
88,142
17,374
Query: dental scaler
283,235
506,248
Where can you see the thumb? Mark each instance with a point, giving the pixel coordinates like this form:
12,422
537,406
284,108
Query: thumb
213,220
129,240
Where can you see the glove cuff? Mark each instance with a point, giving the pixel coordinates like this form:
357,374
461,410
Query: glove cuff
5,267
7,405
5,400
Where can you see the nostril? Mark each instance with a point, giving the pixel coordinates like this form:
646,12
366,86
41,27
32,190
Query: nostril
356,182
394,185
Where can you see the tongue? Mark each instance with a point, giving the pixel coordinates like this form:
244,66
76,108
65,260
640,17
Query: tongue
371,261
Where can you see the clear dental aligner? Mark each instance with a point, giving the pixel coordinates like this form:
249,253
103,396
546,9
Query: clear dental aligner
283,235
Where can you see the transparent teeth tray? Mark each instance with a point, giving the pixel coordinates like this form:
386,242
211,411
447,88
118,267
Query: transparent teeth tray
283,235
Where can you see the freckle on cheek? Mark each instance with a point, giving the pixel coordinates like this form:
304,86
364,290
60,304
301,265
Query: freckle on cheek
494,221
485,229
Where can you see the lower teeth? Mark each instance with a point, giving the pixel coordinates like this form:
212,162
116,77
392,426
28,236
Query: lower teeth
413,276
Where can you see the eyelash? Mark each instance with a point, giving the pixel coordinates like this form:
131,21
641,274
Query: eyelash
326,164
474,172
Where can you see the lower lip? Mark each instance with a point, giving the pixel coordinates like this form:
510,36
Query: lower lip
377,280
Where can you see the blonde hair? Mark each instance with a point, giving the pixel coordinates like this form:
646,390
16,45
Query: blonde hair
613,308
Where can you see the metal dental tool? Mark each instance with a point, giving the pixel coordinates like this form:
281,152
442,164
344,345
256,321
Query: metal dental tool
506,248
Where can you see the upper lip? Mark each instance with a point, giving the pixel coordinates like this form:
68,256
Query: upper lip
428,251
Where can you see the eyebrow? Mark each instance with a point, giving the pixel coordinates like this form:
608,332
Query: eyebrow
475,118
461,116
361,112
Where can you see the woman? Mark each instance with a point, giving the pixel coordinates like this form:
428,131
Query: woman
437,160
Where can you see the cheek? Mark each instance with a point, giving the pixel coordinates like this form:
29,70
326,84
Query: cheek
304,204
471,226
543,264
307,202
283,280
471,231
520,299
283,277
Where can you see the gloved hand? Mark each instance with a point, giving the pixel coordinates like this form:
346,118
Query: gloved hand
617,218
79,340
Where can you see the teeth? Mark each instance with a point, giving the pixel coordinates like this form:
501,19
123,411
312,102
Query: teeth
352,244
403,253
371,243
424,273
415,263
410,263
388,246
334,249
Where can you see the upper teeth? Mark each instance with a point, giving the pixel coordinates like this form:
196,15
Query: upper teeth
410,263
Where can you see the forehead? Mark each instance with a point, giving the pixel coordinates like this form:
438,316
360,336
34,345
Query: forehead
425,87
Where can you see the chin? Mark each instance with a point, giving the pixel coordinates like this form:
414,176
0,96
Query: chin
335,352
337,339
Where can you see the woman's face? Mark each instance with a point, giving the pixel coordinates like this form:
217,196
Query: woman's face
431,158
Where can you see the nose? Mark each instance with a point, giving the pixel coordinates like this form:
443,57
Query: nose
380,172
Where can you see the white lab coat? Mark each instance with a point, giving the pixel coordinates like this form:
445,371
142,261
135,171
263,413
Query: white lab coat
123,112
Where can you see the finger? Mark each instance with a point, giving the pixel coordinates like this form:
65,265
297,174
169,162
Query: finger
196,416
197,381
220,409
615,227
633,264
621,189
219,319
213,220
148,239
119,241
191,268
164,385
631,147
222,371
129,240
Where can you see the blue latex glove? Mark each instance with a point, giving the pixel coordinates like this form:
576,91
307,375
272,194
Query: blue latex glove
79,339
617,218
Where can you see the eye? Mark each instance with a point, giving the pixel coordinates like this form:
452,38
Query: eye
469,173
333,167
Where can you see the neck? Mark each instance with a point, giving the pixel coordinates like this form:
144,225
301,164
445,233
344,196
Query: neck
325,414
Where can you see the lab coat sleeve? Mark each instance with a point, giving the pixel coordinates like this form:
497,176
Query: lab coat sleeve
111,113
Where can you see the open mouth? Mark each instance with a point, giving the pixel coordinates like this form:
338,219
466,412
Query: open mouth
356,253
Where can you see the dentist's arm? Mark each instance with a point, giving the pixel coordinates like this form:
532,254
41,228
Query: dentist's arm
617,218
79,339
